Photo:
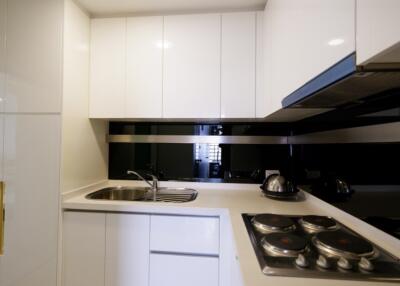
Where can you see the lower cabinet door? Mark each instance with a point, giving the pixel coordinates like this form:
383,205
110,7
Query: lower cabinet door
84,248
127,250
183,270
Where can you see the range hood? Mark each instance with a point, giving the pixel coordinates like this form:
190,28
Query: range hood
345,83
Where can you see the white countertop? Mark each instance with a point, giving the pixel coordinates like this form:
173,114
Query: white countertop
230,201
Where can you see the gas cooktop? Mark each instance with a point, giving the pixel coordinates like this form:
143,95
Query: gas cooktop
317,247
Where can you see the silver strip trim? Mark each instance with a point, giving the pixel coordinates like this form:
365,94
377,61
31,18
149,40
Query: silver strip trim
191,139
184,253
380,133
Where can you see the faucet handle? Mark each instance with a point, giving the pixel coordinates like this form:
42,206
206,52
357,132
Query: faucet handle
155,180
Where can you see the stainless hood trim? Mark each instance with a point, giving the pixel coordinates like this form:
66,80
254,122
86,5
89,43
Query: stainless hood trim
344,68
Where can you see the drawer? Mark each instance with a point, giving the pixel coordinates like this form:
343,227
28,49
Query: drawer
183,270
184,234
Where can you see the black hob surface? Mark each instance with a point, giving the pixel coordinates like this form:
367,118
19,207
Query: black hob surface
317,247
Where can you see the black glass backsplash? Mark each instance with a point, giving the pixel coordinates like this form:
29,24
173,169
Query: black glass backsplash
236,163
356,163
359,164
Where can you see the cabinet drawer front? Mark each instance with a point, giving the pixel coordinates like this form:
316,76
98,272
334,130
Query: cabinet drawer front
176,270
184,234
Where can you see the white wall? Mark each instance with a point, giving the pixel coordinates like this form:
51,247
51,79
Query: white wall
84,148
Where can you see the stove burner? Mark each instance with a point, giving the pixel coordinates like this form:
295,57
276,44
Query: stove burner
342,244
267,223
314,223
283,244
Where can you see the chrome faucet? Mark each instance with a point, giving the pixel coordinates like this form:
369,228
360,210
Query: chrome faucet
153,185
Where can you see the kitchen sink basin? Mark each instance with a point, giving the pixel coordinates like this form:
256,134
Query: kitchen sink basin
172,195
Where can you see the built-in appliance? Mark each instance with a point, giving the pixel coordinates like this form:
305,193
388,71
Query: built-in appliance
317,247
345,83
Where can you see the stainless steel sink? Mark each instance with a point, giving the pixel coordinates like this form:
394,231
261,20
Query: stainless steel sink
121,193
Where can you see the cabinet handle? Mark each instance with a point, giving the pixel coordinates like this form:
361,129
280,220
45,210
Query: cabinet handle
2,218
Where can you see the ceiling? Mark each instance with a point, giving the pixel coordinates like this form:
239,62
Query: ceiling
147,7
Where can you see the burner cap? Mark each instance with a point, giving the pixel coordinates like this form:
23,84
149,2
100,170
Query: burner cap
342,244
266,223
283,244
313,223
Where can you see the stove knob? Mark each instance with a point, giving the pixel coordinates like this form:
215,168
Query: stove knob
301,261
344,264
365,264
323,262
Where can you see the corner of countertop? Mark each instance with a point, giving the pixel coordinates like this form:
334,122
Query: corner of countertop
78,191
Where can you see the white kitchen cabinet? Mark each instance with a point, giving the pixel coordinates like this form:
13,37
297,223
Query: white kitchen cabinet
378,31
192,66
1,147
144,67
127,250
84,248
238,65
302,39
119,249
3,15
185,234
183,270
34,55
261,101
31,172
108,68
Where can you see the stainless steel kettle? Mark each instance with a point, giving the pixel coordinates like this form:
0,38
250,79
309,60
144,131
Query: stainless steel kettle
277,186
332,189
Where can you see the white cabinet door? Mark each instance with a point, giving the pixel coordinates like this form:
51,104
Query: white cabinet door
378,31
176,270
238,65
302,39
34,55
108,68
191,80
261,109
144,67
83,248
31,156
127,250
3,15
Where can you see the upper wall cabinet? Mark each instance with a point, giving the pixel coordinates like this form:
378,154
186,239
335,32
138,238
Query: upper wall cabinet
108,68
302,39
144,67
186,66
192,66
378,32
238,65
34,30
